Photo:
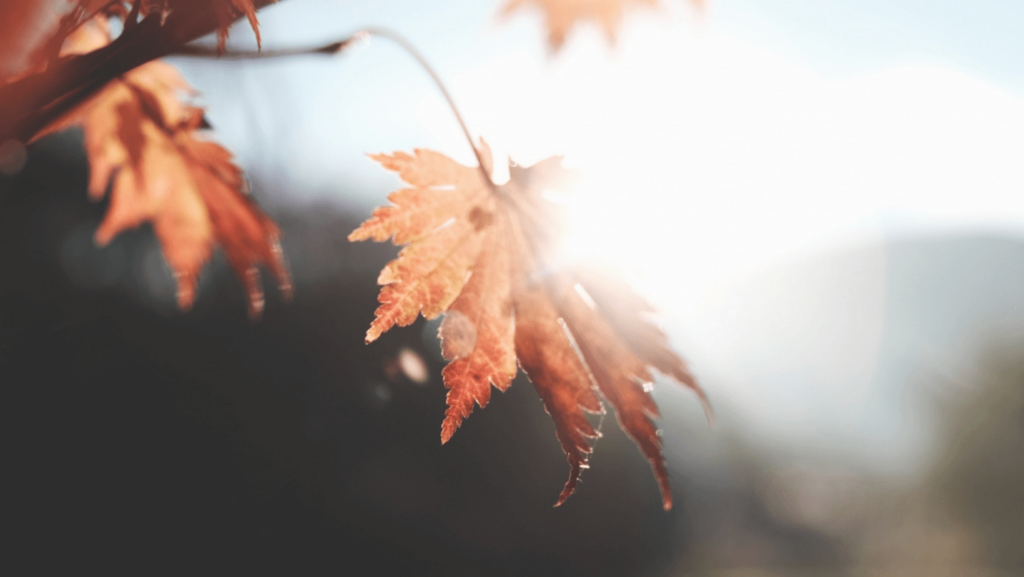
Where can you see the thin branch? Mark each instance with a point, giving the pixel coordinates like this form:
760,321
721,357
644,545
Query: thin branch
195,51
133,17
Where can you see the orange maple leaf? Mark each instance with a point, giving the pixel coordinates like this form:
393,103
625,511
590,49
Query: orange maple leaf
485,256
140,134
563,15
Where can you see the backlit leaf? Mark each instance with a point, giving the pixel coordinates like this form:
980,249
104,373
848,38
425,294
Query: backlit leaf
486,256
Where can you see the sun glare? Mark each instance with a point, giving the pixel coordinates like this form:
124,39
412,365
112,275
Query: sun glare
706,158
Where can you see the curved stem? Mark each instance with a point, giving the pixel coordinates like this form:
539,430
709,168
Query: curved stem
334,48
411,50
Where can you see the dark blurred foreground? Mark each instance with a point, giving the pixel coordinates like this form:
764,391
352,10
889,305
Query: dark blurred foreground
141,439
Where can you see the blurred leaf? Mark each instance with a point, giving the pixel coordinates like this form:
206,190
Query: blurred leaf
143,137
563,15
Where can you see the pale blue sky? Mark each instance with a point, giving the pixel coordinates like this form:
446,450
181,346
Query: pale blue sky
367,101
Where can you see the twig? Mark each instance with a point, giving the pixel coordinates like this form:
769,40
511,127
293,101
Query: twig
196,51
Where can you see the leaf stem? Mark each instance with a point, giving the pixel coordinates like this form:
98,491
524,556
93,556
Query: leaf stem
411,50
336,47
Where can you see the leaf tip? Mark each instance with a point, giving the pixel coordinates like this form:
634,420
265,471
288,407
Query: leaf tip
280,269
372,334
186,294
709,411
379,157
102,237
566,493
254,291
574,478
661,475
357,235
